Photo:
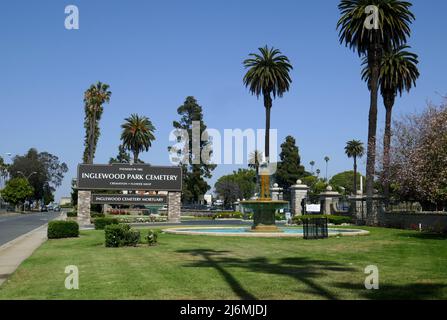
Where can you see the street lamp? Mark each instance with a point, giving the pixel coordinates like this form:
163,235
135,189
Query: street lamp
27,177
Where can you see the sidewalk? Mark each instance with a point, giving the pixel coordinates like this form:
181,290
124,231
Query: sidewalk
13,253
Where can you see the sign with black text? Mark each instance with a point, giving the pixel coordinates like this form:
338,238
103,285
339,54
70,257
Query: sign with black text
129,177
128,199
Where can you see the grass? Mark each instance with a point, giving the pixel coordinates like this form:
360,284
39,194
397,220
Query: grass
411,265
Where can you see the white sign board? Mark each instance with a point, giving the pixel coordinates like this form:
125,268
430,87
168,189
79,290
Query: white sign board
314,208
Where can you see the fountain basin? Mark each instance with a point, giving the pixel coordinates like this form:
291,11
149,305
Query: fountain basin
247,232
264,214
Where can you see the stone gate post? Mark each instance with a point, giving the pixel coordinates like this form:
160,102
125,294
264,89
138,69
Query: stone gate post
298,194
174,207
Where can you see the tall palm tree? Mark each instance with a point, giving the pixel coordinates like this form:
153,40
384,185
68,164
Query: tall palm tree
267,75
137,135
255,160
398,73
395,18
355,149
318,173
327,163
94,98
312,164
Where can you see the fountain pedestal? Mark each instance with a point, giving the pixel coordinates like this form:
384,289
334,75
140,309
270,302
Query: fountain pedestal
264,214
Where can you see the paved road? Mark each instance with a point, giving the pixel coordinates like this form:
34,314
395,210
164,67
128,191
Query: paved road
14,226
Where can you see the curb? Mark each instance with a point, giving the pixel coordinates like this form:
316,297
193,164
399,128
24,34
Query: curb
23,236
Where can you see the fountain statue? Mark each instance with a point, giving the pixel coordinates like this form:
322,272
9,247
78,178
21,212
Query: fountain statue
264,208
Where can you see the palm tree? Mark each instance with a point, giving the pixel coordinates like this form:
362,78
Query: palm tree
255,160
318,173
137,135
312,164
394,28
355,149
398,73
267,75
327,163
94,98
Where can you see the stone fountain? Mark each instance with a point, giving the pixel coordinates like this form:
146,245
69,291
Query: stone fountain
264,208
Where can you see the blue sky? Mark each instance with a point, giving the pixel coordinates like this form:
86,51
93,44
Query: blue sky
155,53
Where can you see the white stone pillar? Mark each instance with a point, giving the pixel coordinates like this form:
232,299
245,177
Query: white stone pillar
174,207
84,202
327,199
298,194
276,192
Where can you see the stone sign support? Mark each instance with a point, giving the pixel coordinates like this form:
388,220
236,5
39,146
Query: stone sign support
298,194
84,199
174,207
328,199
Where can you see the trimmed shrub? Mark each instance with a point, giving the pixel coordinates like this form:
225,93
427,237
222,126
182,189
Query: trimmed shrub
229,215
63,229
337,220
152,237
121,235
101,223
95,215
72,214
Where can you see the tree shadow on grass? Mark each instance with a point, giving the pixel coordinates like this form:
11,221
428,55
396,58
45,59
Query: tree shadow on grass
413,291
301,269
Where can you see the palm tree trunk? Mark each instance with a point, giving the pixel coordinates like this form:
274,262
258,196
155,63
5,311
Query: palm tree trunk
388,100
374,57
355,175
92,136
268,107
135,157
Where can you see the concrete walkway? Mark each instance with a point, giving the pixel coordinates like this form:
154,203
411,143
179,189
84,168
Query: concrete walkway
13,253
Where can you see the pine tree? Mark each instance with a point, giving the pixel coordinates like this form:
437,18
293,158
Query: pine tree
289,168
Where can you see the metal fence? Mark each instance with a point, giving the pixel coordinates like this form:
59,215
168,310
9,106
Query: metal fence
315,228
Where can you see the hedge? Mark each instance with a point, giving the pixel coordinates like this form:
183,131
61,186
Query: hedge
337,220
72,214
63,229
121,235
229,215
101,223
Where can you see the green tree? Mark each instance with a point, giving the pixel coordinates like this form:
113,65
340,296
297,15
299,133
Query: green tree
137,135
94,99
16,191
289,168
268,74
344,180
238,185
122,157
398,73
49,172
354,149
394,22
195,168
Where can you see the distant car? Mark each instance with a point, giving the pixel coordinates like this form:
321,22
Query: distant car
50,207
56,208
43,209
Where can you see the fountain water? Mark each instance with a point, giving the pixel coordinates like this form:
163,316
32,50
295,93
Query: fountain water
264,208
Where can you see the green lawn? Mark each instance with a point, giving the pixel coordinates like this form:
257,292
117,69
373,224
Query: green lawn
198,267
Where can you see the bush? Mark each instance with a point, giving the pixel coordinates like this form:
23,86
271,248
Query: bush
63,229
120,235
229,215
72,214
337,220
97,215
101,223
152,237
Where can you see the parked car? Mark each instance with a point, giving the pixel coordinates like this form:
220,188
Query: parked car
43,209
